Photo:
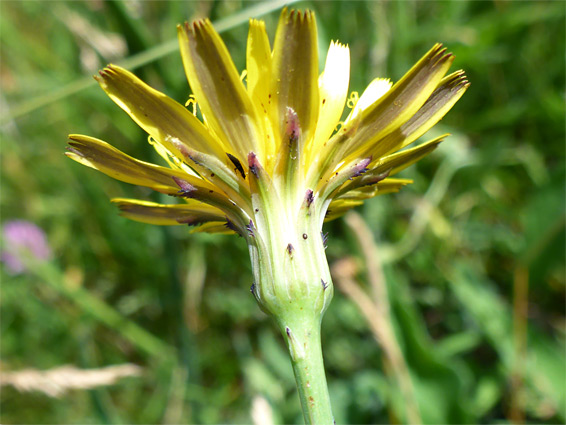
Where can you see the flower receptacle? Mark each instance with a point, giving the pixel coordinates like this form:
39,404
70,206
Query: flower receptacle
291,274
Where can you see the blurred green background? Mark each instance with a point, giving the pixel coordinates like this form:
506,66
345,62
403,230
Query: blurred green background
484,217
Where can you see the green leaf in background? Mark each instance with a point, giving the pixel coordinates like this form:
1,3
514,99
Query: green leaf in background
545,367
442,384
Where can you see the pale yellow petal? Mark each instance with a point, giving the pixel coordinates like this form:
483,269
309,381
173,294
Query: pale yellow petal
373,92
398,161
192,212
259,68
167,121
213,227
258,62
104,157
449,91
339,207
294,83
391,185
217,86
173,161
333,87
401,102
359,194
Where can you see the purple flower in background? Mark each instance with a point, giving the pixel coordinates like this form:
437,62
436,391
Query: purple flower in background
23,238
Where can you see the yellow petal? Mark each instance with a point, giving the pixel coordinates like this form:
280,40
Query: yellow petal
449,91
295,72
173,161
217,86
400,103
167,121
333,87
387,185
258,66
403,159
104,157
258,62
373,92
391,185
213,227
225,178
191,213
343,176
339,207
356,197
359,194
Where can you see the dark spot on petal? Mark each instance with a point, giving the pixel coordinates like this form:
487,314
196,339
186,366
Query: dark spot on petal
309,197
185,186
251,228
253,164
237,164
231,226
290,249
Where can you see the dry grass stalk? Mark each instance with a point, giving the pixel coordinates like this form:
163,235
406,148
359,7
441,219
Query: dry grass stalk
262,414
58,381
376,309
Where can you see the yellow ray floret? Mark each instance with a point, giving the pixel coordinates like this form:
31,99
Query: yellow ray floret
333,91
166,121
270,142
218,89
192,212
294,83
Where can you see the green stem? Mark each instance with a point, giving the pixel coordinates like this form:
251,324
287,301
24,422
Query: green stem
292,281
302,333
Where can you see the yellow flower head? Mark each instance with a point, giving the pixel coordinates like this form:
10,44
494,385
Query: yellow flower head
271,144
271,159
